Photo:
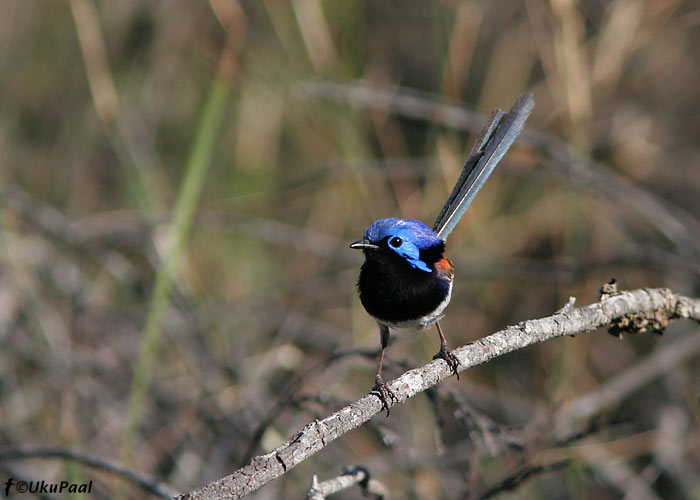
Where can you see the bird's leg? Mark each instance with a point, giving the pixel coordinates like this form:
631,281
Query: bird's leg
380,389
446,353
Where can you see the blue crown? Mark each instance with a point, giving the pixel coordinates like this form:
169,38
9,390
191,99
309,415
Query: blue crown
413,236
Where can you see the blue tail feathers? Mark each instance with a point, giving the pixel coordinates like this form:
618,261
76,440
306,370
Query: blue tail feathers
491,145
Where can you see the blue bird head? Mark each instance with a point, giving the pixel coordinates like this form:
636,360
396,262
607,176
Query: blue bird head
405,237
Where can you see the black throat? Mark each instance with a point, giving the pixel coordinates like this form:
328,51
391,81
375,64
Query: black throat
393,291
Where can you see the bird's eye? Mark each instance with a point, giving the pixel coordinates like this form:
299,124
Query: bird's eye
395,242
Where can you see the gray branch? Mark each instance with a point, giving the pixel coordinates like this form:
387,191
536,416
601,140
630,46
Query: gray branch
352,476
628,309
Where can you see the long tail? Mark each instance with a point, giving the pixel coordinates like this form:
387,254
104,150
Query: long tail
490,146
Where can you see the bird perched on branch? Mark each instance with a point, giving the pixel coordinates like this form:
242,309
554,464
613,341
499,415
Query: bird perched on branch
406,280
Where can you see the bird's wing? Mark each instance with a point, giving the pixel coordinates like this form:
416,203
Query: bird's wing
490,146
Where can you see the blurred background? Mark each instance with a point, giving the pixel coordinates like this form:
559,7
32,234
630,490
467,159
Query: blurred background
180,182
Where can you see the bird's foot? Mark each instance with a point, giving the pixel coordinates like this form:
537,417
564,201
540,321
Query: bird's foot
452,361
385,395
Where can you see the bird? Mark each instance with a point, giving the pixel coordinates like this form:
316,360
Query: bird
406,279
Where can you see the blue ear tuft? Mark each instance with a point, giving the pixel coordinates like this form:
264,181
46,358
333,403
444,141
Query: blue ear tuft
419,264
409,251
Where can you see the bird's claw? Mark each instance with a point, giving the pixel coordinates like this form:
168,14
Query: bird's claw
385,395
452,360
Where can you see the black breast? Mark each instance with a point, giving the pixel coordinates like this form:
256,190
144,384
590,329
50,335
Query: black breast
392,290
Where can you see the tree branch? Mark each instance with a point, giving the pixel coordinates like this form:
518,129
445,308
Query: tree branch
613,307
351,476
523,474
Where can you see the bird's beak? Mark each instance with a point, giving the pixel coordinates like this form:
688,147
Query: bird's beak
364,245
